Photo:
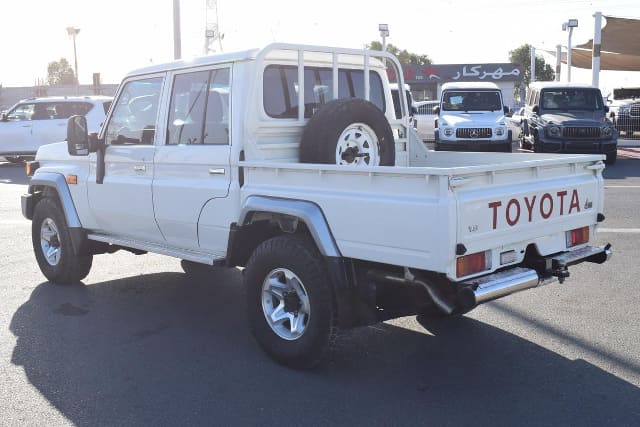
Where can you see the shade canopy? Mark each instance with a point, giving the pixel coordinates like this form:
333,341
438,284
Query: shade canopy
619,50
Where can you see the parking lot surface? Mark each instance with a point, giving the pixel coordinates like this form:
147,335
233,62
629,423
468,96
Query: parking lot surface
139,344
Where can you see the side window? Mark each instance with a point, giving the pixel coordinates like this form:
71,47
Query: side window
216,124
64,110
186,112
199,110
22,112
133,120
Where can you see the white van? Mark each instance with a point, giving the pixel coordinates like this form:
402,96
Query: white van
471,118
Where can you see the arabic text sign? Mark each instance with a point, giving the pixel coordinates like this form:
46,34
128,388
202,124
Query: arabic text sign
463,72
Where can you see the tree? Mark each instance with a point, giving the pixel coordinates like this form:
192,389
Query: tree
522,55
405,57
60,73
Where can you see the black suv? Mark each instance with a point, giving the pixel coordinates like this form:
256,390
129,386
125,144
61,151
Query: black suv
568,118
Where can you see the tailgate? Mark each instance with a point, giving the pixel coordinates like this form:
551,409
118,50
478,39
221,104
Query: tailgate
508,210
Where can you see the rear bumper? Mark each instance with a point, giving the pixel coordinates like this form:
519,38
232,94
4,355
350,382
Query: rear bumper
544,270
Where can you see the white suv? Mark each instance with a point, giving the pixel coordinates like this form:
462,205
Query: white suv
37,121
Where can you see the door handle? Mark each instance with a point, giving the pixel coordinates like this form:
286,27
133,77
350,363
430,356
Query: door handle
140,168
219,171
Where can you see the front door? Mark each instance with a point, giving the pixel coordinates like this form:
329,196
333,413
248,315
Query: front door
15,131
122,205
192,166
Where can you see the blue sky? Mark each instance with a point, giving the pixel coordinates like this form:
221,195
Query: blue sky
118,35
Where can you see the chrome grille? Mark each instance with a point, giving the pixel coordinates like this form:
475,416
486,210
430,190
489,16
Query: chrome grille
581,132
634,110
473,133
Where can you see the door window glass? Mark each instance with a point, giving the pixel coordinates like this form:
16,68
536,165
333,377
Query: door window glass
199,111
133,120
21,112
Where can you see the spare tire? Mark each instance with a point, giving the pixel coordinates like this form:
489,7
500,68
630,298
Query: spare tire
348,132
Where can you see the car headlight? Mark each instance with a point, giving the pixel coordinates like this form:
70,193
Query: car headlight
554,131
607,131
448,131
500,131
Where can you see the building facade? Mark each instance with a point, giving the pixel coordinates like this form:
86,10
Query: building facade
426,80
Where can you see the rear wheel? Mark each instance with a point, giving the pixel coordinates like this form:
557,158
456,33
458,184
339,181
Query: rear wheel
290,301
52,245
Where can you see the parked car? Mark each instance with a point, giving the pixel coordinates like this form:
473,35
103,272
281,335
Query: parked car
568,118
426,119
37,121
514,123
471,118
628,118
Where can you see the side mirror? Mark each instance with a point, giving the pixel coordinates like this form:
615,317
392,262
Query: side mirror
414,110
77,136
505,109
606,108
535,110
4,117
436,110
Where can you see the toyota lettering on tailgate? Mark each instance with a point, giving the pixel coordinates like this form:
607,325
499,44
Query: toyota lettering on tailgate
524,208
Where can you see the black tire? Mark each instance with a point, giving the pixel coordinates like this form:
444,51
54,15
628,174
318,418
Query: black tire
611,157
321,137
49,229
278,259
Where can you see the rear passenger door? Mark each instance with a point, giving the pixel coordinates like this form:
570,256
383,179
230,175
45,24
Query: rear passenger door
192,165
51,125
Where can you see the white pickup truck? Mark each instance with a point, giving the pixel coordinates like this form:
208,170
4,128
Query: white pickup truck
337,212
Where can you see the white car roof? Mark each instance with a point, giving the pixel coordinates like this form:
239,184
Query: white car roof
68,98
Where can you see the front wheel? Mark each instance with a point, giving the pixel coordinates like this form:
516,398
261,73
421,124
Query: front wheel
611,157
290,302
52,245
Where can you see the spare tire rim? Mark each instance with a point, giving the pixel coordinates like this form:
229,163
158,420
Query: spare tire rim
358,146
285,304
50,241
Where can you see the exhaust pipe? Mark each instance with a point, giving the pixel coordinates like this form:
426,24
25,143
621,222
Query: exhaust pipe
498,285
409,279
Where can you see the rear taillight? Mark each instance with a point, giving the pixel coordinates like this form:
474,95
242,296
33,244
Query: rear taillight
577,236
473,263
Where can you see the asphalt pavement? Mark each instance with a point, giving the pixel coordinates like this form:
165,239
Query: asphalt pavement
140,344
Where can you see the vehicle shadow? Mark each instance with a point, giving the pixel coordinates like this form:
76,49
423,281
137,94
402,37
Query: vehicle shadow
161,349
627,165
13,173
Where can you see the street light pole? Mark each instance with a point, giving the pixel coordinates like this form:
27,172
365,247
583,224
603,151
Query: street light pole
569,25
384,33
73,32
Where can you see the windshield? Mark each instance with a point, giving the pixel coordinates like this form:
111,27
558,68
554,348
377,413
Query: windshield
571,99
457,100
